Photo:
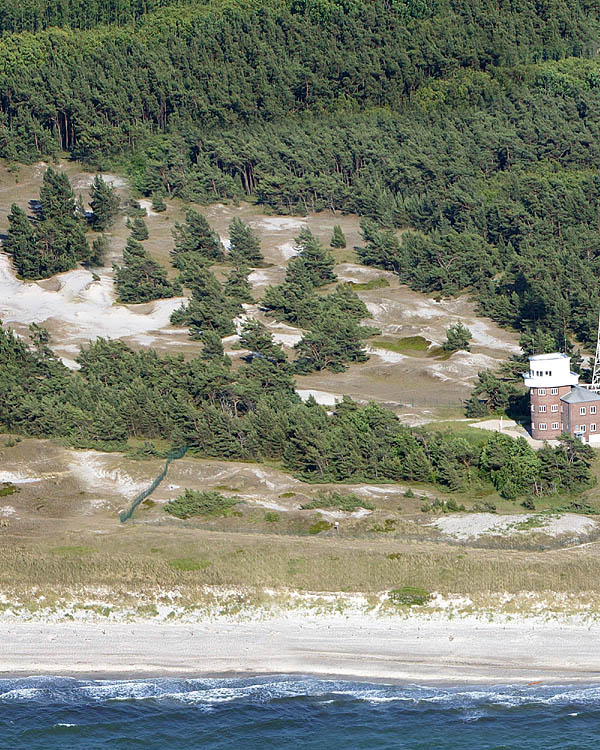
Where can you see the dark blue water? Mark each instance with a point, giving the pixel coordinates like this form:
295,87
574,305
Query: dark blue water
291,712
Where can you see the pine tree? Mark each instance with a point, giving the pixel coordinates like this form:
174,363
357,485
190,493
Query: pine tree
139,230
158,203
61,245
457,337
244,242
99,251
104,203
237,286
208,308
57,199
316,259
212,347
141,278
195,235
21,243
338,239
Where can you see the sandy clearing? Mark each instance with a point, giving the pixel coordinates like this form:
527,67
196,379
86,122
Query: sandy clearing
289,339
147,206
398,648
277,223
17,477
93,470
385,355
84,308
475,525
352,272
82,182
325,398
288,250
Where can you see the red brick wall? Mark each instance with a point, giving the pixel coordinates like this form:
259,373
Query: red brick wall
547,417
574,419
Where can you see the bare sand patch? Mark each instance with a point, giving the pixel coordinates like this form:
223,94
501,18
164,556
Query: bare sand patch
416,648
325,398
475,525
100,473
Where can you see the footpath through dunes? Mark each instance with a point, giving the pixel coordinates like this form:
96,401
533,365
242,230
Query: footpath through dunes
406,369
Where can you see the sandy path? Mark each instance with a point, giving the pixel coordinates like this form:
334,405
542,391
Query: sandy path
391,648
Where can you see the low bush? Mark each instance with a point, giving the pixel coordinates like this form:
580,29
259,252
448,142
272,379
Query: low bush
409,596
198,503
484,507
318,527
348,502
271,517
388,525
8,488
443,506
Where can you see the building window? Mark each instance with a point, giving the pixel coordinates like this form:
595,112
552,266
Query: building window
554,407
554,391
582,410
542,408
593,427
555,425
532,407
592,409
541,391
582,428
533,425
542,426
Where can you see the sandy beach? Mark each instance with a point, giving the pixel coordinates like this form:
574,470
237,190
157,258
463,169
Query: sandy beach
413,650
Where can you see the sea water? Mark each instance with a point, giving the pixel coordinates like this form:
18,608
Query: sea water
291,712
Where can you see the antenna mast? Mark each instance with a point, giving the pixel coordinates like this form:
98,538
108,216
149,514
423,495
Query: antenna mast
596,375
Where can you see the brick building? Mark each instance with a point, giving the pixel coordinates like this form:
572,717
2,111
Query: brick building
558,403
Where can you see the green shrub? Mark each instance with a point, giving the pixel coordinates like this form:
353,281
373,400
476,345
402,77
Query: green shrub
443,506
528,503
8,488
348,502
409,596
198,503
484,507
409,493
318,527
367,286
388,525
145,452
288,494
271,517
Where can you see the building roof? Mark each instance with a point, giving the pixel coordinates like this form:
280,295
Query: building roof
553,355
579,395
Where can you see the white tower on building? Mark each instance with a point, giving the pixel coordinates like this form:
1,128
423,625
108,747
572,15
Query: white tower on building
549,378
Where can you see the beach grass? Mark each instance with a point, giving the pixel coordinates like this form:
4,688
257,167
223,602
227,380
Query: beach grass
143,560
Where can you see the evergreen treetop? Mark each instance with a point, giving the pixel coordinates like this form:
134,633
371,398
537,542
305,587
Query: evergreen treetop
244,242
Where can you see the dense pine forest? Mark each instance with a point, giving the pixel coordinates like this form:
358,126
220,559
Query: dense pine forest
464,121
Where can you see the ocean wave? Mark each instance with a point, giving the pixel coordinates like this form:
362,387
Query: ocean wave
213,692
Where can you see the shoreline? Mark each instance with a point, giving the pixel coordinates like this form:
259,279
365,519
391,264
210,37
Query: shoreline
451,652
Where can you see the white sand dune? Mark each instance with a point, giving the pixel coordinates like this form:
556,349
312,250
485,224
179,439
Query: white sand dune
84,307
391,648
